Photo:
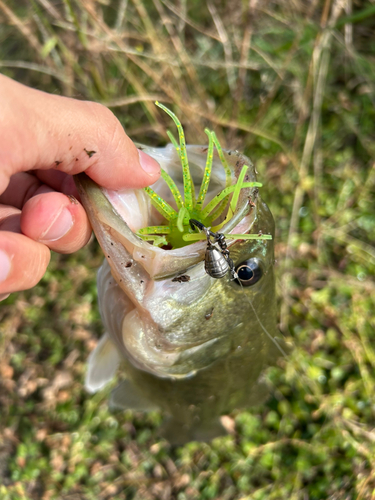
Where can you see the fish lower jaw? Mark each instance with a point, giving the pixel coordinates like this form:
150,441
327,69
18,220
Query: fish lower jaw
147,352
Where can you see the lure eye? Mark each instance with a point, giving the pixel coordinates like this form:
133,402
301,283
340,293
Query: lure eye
249,272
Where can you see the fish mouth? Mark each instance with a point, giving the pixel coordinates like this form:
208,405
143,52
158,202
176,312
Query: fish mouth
142,334
142,270
117,215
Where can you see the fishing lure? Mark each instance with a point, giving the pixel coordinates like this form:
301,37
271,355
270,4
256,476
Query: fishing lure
178,231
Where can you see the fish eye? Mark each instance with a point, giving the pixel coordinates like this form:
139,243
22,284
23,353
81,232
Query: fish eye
249,272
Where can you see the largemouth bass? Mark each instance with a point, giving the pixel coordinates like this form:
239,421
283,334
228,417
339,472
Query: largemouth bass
187,343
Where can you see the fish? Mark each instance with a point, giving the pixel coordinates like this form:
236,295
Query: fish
185,343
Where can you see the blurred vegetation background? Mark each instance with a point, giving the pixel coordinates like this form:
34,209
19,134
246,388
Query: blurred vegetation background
291,84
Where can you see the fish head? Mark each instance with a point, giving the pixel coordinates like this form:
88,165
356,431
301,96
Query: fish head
161,309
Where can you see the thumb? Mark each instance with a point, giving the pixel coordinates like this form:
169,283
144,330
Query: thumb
45,131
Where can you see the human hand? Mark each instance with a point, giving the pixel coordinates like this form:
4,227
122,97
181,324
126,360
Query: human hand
44,140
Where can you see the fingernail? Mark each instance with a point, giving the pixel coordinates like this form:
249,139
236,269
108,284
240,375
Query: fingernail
59,226
4,266
4,296
149,165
